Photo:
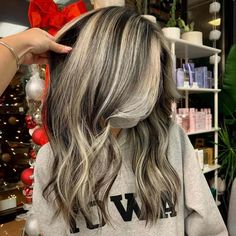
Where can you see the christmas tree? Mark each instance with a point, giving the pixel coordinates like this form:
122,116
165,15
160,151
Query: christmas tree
14,137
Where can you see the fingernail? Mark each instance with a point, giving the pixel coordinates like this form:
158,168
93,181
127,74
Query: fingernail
68,48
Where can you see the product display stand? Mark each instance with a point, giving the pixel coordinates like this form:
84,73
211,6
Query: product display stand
184,50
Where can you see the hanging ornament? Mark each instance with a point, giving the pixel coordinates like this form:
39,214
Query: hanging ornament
6,157
26,176
35,87
12,120
214,7
215,35
31,226
28,192
37,117
39,136
32,154
212,59
31,131
30,123
61,2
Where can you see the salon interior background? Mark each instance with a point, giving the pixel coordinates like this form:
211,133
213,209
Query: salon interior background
13,18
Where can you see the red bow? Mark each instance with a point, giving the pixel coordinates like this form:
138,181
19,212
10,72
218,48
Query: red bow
46,15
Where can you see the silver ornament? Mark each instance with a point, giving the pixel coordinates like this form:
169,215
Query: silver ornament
31,226
35,88
61,2
37,117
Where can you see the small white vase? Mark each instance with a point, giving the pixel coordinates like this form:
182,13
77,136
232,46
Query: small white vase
171,32
151,18
107,3
214,35
194,37
214,7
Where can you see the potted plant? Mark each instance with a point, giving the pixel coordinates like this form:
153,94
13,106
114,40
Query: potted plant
188,33
227,155
227,107
172,30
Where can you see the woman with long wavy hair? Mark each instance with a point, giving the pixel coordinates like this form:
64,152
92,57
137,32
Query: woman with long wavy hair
115,163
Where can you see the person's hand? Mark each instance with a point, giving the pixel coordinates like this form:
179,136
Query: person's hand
32,46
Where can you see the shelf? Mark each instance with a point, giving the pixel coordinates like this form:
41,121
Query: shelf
208,169
185,49
204,131
199,90
15,186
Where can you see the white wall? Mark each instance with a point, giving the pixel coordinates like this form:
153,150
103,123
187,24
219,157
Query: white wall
9,28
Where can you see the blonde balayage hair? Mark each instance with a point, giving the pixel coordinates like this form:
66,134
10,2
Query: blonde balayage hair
118,75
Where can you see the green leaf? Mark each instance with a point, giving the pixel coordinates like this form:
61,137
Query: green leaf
228,95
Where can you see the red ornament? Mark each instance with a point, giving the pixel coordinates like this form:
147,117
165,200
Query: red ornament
39,136
26,176
32,154
28,192
28,199
30,123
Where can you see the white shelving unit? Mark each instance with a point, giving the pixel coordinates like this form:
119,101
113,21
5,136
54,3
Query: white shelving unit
210,168
199,90
185,50
204,131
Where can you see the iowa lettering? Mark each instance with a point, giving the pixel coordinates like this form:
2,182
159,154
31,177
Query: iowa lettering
126,214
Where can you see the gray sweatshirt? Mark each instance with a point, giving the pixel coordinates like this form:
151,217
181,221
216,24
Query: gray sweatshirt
195,215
